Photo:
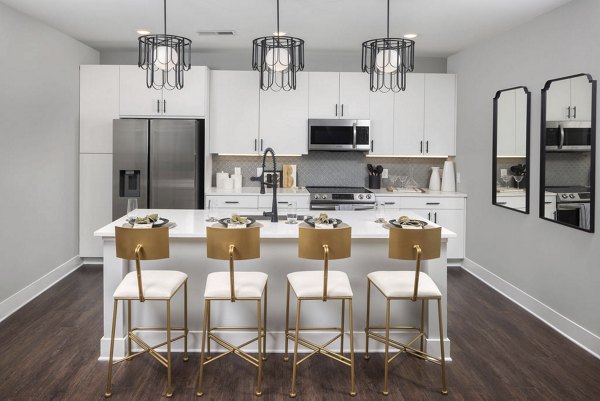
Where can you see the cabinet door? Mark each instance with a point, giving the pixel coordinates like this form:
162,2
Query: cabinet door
191,100
136,100
505,128
581,99
98,107
440,114
95,201
453,220
234,112
521,123
354,95
558,98
382,123
284,119
323,95
409,109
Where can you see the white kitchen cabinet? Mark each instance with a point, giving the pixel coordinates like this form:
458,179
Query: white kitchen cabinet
439,130
98,106
569,99
232,201
137,100
409,116
382,123
558,99
521,123
512,201
265,202
506,123
550,206
234,112
339,95
284,119
581,99
95,200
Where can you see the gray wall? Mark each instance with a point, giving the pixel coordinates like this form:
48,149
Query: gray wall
554,264
241,60
39,148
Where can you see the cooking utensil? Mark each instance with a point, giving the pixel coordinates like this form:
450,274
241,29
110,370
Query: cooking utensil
379,170
370,168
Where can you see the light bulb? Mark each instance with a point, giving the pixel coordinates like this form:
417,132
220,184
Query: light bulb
387,60
166,58
278,59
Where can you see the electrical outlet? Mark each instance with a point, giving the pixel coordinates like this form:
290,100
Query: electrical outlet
384,173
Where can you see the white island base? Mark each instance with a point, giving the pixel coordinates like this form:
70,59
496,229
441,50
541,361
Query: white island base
279,256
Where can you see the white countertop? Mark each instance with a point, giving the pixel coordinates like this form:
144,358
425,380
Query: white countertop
192,223
303,191
426,193
518,193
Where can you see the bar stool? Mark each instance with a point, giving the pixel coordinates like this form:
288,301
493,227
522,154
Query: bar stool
325,285
234,244
417,245
149,285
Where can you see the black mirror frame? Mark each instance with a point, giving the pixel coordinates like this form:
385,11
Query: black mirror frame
542,204
495,150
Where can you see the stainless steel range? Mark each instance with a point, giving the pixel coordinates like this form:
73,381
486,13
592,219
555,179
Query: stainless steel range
572,205
340,198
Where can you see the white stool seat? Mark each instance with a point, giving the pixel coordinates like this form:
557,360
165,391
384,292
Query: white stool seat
247,285
401,284
155,284
308,284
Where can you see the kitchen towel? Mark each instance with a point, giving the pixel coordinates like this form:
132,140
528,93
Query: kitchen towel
584,216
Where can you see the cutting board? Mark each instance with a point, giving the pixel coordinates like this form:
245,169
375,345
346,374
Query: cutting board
289,175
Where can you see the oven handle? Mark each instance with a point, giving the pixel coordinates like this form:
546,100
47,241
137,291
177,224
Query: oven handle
562,137
353,133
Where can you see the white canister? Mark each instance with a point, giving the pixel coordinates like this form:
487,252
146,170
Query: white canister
237,181
220,177
228,183
434,181
448,177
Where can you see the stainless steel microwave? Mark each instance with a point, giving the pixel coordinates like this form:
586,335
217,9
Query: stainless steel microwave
340,135
568,136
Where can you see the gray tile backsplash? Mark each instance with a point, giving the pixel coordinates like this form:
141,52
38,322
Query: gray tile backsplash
331,168
568,169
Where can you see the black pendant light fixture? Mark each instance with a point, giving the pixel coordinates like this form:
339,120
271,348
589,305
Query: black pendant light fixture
388,60
277,59
164,57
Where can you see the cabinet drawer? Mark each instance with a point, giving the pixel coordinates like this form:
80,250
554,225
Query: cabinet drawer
233,202
265,202
515,202
431,203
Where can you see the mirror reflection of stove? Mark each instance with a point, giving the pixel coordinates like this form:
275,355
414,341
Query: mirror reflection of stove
572,205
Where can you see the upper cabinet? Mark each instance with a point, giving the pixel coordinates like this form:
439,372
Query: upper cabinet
137,100
409,117
284,118
339,95
234,112
570,99
98,107
439,133
382,123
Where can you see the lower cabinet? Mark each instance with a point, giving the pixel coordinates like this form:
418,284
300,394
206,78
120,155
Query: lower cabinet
550,206
95,200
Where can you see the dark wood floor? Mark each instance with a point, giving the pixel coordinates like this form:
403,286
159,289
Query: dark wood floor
49,350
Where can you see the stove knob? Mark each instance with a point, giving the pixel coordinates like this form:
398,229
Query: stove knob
572,196
316,196
368,196
360,196
564,196
324,196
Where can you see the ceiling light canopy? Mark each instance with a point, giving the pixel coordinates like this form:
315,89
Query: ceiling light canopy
388,60
143,32
164,57
277,58
410,35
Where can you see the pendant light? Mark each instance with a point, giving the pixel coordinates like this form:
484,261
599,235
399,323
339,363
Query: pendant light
164,57
277,58
388,60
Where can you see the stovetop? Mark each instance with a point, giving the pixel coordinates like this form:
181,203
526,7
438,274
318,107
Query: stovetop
570,193
338,190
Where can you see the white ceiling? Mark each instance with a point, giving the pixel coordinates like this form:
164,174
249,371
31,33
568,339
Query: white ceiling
444,26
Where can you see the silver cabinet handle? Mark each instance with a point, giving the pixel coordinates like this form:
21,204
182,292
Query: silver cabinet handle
569,112
574,111
432,203
547,203
255,145
421,146
427,147
429,216
371,145
232,202
158,105
336,109
164,106
342,110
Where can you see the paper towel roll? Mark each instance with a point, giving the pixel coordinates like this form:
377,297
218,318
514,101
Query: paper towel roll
448,179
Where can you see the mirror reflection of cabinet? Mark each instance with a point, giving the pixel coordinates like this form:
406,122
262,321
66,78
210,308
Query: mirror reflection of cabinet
568,136
511,149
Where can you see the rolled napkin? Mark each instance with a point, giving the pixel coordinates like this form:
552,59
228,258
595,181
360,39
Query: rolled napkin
324,221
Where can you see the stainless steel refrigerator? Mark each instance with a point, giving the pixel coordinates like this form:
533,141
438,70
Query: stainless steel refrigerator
158,162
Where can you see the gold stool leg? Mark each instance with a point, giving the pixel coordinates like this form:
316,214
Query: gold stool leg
352,378
208,338
387,347
287,322
342,327
128,327
185,322
295,367
107,394
258,391
169,393
199,393
264,357
367,329
443,358
422,322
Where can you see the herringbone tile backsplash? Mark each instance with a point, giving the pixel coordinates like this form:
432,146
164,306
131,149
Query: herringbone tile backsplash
331,168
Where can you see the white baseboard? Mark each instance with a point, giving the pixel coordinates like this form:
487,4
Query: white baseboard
275,342
16,301
568,328
92,261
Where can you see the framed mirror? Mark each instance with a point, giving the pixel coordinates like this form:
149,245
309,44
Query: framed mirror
510,158
568,151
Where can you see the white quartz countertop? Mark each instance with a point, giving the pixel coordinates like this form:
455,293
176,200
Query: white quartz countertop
518,193
302,191
426,193
192,223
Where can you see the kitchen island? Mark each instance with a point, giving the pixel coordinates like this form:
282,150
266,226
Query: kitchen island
279,256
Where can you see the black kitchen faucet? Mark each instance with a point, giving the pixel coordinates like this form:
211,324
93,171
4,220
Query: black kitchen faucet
261,179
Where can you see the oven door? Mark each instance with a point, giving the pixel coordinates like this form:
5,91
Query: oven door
569,213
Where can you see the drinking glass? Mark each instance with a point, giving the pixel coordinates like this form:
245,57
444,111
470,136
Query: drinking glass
213,210
518,179
380,212
292,213
506,178
132,204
